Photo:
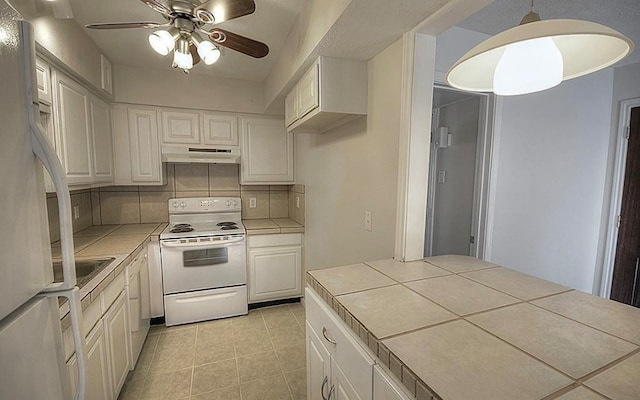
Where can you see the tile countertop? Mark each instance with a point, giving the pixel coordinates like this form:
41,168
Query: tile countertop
121,242
272,226
455,327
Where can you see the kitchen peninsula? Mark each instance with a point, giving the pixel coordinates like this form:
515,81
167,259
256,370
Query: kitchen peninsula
454,327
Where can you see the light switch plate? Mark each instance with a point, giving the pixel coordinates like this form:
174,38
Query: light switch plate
442,176
76,212
252,202
367,221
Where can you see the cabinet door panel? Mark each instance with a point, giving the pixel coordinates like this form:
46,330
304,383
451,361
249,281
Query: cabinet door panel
291,106
341,386
267,151
98,371
102,143
275,273
180,127
72,111
220,129
384,387
318,367
117,326
144,146
307,90
43,80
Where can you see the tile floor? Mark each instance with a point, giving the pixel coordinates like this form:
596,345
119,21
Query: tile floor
253,357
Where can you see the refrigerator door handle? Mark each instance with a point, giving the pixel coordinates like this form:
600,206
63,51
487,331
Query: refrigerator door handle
47,155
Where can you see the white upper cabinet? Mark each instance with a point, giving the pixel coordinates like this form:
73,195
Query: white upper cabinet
267,151
332,92
72,115
179,127
137,146
219,129
43,80
106,80
308,98
199,128
102,140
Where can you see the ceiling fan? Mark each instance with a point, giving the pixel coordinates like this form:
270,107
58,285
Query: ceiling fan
185,31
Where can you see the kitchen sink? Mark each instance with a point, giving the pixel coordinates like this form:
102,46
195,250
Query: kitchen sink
84,268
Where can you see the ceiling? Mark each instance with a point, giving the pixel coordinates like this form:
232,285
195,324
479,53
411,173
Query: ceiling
270,24
621,15
364,29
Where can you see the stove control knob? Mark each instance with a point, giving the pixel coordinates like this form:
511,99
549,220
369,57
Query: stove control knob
175,204
183,204
228,203
235,203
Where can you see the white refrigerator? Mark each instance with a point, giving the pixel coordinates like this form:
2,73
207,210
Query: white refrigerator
32,365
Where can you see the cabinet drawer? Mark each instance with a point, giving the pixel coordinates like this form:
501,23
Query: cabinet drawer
355,361
91,315
285,239
111,293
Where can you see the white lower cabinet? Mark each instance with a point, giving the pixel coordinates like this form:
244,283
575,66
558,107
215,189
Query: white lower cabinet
350,375
137,286
117,326
99,385
275,267
106,327
339,365
386,387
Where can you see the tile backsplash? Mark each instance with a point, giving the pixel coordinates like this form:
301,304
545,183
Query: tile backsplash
147,204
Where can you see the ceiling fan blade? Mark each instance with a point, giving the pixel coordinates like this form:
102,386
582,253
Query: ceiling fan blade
239,43
157,6
216,11
125,25
193,49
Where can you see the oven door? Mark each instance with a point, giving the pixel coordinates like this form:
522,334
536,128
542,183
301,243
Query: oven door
203,264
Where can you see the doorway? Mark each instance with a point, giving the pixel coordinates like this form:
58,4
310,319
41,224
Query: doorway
458,173
625,284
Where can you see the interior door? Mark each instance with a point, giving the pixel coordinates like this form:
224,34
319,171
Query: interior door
625,286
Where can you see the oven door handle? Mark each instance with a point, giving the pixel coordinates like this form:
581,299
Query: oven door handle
210,244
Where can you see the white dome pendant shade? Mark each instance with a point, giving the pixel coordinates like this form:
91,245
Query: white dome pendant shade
527,67
529,57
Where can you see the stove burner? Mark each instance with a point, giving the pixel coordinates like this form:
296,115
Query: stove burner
226,223
181,228
228,227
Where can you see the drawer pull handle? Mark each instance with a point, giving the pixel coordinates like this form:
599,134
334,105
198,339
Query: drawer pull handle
333,389
324,333
324,383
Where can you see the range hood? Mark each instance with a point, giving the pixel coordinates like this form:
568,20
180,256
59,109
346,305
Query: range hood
207,155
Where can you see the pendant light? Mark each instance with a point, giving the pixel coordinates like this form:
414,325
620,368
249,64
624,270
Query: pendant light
537,55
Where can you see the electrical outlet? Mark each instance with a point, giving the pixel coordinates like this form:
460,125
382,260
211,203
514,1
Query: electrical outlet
367,221
297,201
76,212
252,202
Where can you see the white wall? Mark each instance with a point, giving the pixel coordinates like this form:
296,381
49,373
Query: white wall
174,89
626,85
454,199
67,42
312,25
551,180
549,173
354,169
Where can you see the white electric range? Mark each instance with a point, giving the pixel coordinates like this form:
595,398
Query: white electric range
204,260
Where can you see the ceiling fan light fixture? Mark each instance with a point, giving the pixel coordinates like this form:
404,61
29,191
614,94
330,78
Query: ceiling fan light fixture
182,56
584,47
208,52
162,42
